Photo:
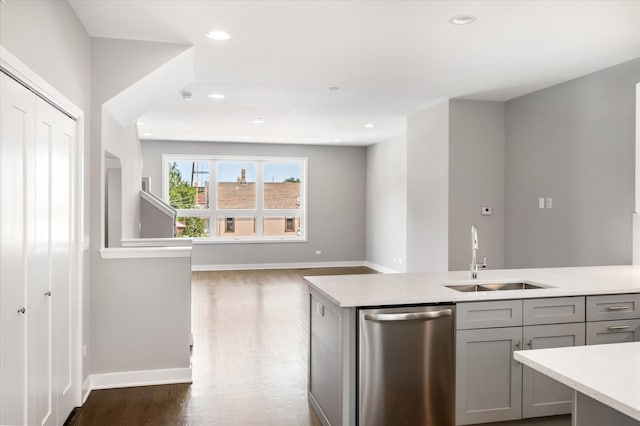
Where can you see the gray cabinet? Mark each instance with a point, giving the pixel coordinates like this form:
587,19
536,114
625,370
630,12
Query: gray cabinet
324,354
496,313
490,385
558,310
613,319
613,307
541,395
602,332
488,380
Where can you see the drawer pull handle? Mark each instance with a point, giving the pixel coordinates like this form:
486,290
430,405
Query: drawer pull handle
530,343
619,308
518,344
618,327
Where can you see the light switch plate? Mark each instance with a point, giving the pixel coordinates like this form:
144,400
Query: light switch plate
320,309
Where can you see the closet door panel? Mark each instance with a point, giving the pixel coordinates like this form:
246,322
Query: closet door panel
42,400
16,134
61,220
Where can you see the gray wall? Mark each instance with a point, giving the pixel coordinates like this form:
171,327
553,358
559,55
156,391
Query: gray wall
118,287
25,27
476,179
336,202
387,204
148,325
574,143
428,189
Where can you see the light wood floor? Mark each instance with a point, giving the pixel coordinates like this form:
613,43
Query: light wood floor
249,358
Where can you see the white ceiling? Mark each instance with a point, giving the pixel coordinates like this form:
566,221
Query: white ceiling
389,58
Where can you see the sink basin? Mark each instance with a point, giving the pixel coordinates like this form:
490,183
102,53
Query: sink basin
468,288
494,287
511,286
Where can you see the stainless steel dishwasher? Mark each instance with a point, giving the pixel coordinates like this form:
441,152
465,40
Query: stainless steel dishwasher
406,366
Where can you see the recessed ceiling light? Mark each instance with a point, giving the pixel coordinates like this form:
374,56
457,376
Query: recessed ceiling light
219,35
332,88
245,137
462,19
369,125
186,96
216,96
147,134
336,140
258,120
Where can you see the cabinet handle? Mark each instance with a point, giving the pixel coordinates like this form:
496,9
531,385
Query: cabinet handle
22,310
518,343
47,293
618,327
530,343
618,308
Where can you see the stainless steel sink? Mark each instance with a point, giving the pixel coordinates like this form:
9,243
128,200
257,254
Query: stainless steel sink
511,286
468,288
494,287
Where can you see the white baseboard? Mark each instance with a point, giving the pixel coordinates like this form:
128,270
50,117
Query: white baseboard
127,379
86,389
248,266
379,268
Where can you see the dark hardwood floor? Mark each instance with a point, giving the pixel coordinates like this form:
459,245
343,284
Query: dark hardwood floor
249,358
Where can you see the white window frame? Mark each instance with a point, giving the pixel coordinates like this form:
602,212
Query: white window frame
213,213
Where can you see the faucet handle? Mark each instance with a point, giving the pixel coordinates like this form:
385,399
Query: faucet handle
484,263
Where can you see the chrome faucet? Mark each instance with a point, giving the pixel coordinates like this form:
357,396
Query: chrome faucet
474,266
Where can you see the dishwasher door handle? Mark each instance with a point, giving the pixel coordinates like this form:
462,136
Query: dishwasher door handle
409,316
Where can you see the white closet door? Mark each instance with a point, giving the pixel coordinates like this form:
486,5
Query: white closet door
61,262
36,165
16,133
42,399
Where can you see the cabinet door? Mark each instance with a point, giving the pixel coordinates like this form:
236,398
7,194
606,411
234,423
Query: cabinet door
601,332
488,380
613,307
324,363
541,395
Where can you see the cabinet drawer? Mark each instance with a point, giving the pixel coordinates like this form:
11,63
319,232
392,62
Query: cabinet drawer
555,310
613,307
602,332
499,313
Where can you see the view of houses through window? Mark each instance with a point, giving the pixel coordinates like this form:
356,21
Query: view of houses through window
252,198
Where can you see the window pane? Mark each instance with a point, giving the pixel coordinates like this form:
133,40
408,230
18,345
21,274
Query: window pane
192,227
231,226
282,185
189,184
285,226
236,187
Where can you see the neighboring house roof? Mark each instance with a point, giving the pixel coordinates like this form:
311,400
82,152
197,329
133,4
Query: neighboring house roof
277,195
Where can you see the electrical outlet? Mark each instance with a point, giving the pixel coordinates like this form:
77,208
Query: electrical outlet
548,203
320,309
318,251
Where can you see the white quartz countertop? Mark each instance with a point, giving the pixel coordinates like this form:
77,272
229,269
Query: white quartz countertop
607,373
409,288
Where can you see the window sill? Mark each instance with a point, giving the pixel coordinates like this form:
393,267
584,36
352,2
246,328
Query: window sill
206,241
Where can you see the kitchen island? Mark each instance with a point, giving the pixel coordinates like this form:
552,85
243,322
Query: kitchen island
605,380
571,302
